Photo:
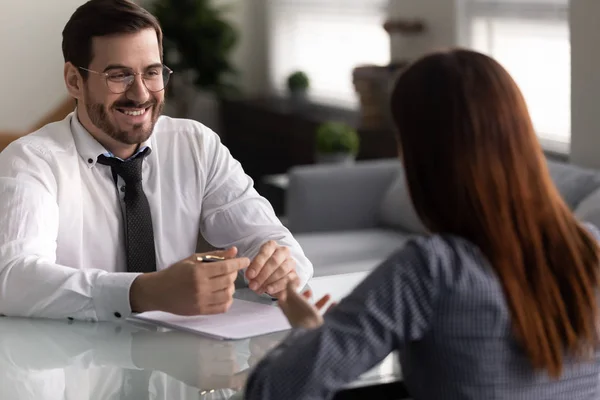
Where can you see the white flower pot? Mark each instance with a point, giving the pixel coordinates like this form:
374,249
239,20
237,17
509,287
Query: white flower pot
335,158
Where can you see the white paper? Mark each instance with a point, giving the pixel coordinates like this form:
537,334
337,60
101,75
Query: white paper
244,319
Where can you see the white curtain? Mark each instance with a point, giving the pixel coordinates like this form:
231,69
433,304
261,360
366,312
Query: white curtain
326,39
531,39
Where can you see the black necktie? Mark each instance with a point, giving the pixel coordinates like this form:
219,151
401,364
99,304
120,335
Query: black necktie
139,236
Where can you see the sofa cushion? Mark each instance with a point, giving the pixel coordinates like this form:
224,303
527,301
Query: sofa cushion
397,210
349,251
588,209
573,182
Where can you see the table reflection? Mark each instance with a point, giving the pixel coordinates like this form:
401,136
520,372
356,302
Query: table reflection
71,360
47,359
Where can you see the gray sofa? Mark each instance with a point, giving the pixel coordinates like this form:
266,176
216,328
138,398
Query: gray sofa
348,219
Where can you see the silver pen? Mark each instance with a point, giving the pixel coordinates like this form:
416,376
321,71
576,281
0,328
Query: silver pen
209,258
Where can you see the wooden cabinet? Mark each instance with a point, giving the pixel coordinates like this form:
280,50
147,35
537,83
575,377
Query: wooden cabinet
270,135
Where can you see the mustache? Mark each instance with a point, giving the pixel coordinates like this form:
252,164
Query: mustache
133,104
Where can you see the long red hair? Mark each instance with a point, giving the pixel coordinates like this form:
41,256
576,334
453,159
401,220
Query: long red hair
475,168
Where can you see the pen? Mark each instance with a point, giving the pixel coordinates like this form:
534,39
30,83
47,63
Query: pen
209,258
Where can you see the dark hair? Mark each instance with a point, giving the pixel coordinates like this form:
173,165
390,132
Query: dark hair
103,18
475,169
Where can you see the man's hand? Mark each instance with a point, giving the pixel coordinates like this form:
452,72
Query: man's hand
271,270
189,287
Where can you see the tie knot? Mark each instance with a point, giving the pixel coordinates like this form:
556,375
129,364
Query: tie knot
130,170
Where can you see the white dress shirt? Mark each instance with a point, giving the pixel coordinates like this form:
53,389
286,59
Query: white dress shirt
62,252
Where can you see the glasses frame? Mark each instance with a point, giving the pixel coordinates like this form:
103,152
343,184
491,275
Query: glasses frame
106,75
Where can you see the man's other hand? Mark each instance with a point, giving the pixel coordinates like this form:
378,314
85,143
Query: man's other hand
271,270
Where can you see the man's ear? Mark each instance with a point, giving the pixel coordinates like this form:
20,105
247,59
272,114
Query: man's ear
73,81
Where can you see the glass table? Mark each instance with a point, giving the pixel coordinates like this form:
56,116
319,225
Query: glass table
52,360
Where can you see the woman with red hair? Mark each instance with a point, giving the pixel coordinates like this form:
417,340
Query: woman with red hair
500,301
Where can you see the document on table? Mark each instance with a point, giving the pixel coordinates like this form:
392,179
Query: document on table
244,319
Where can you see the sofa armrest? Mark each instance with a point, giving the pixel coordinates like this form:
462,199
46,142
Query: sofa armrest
328,197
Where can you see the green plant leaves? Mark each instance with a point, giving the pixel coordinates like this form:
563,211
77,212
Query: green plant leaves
200,35
337,137
298,81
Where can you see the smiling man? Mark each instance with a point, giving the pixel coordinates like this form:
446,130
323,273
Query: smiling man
100,212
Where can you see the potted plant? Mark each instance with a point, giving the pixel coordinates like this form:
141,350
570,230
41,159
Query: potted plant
198,43
336,142
298,84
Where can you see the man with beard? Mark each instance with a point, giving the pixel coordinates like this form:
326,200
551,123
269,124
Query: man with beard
100,212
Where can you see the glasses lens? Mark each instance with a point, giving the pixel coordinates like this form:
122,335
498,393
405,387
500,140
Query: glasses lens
155,81
166,74
118,87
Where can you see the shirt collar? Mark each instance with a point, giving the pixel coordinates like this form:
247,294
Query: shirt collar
89,148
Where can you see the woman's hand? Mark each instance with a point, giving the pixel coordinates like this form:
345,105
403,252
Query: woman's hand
299,312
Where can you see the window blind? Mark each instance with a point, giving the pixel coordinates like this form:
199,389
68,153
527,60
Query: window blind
531,39
326,39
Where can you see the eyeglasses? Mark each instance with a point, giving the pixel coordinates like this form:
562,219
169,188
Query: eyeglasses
120,80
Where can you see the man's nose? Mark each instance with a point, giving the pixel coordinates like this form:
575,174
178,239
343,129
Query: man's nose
138,91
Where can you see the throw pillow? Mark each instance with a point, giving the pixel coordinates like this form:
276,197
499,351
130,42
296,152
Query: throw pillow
397,210
588,209
573,182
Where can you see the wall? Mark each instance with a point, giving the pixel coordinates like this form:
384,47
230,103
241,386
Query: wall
32,67
251,55
441,18
585,81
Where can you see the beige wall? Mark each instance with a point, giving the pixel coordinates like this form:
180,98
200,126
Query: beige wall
251,55
32,64
440,16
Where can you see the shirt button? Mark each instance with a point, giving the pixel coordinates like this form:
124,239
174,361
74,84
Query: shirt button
123,188
90,161
117,314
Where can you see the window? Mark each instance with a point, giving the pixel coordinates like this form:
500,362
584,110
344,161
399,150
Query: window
531,39
326,39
